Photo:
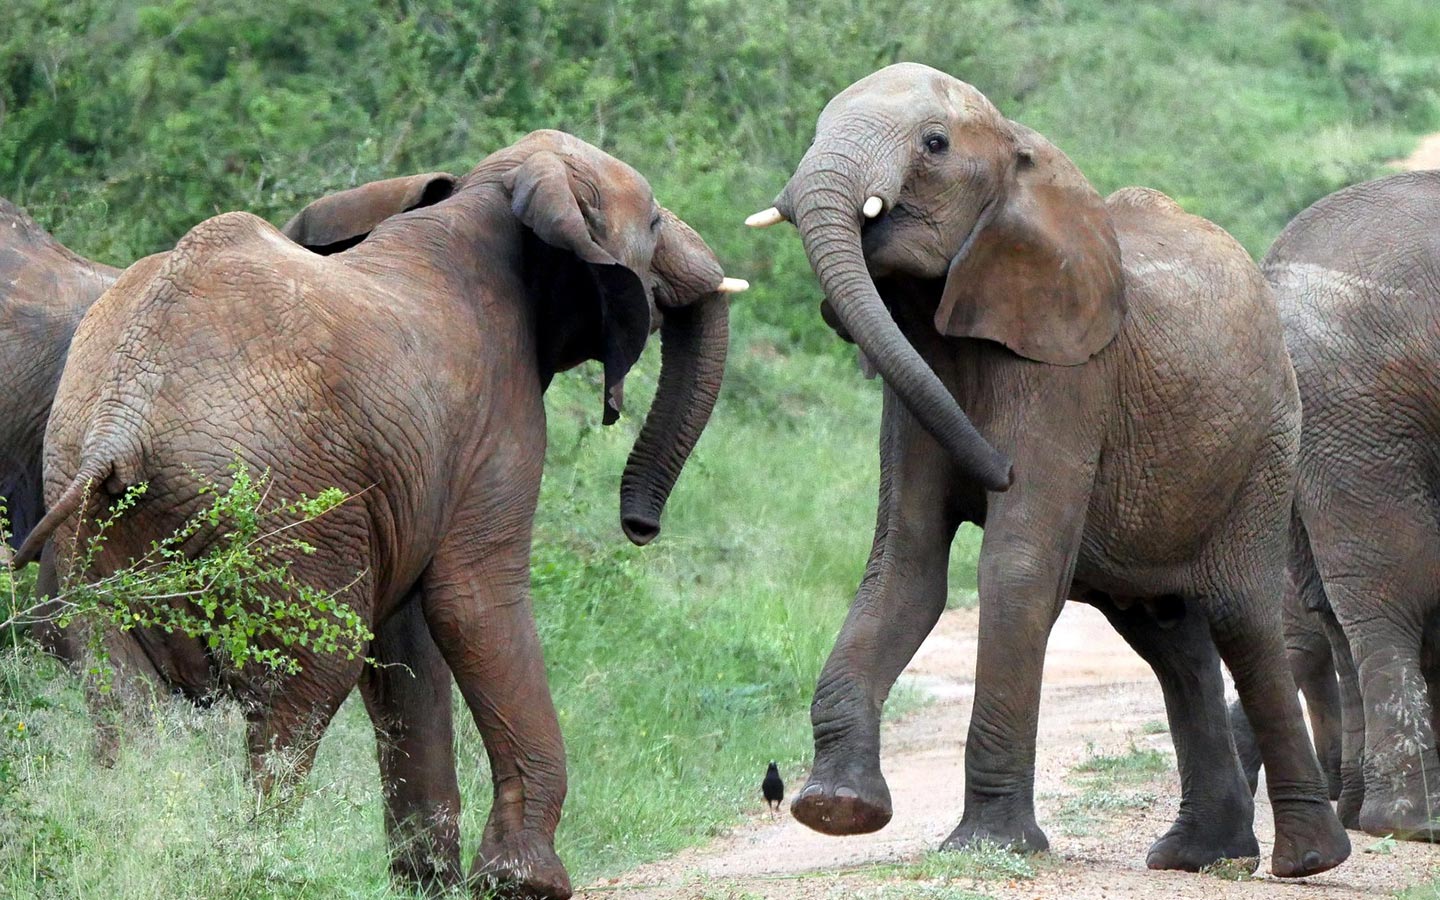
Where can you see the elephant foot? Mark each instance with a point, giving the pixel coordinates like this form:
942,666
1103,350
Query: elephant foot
852,803
997,826
1197,841
1308,838
1409,817
521,865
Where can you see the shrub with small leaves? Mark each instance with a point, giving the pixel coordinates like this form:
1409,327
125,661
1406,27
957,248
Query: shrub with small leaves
239,596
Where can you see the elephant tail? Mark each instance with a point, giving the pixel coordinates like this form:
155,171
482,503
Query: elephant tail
92,472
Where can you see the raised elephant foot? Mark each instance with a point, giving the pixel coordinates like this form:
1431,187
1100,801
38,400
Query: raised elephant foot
855,803
1197,841
996,826
522,865
1308,838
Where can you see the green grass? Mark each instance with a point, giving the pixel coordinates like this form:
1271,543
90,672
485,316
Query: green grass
1108,785
1134,766
1426,890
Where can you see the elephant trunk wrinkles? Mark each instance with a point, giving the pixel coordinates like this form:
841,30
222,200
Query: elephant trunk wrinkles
693,343
826,212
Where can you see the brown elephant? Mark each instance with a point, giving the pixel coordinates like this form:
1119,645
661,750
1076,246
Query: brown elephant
1128,358
410,371
45,289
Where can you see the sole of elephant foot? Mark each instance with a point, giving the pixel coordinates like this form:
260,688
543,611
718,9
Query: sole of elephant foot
521,866
1019,836
1190,846
843,809
1308,838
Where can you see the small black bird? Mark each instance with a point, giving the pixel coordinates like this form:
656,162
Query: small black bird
772,787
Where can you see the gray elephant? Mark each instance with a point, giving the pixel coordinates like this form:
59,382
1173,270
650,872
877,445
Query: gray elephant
1128,358
410,371
45,289
1357,276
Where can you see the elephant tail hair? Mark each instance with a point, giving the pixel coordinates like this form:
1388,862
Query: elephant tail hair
92,472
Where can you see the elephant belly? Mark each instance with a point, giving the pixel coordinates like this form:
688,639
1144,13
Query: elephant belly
1200,455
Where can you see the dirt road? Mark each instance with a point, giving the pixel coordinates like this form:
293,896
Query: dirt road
1099,698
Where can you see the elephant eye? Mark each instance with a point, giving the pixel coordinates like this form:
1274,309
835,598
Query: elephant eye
655,222
937,143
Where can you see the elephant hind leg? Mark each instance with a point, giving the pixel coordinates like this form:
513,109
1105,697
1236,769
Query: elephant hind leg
286,719
477,605
1245,623
1217,813
407,694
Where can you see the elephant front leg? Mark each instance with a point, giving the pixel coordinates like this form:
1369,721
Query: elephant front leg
407,694
1027,561
900,598
477,603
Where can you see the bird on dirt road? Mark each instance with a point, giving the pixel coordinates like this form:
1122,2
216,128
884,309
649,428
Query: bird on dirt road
772,787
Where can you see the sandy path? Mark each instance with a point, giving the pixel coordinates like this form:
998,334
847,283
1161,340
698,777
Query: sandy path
1097,693
1426,155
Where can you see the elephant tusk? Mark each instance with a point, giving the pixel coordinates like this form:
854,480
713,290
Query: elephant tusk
873,207
733,285
765,218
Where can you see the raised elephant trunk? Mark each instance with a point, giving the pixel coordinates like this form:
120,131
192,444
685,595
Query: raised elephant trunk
827,208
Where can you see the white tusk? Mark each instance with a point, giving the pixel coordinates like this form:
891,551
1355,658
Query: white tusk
733,285
872,207
765,218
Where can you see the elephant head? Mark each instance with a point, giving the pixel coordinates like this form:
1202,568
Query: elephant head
340,221
608,260
914,173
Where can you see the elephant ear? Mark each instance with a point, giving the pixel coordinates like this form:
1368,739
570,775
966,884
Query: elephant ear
1041,274
612,320
340,221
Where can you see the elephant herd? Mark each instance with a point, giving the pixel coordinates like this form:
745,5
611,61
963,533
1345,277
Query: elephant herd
1109,386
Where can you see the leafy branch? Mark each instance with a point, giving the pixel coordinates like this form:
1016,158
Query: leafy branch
239,595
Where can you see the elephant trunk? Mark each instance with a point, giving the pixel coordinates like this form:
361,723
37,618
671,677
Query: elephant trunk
827,208
693,343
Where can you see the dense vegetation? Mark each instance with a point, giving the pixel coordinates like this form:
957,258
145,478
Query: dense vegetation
682,668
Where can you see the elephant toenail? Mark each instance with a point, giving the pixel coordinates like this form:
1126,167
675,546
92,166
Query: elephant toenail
846,793
1311,860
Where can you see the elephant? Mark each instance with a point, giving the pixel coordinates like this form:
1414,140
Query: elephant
1102,385
409,372
1357,277
45,289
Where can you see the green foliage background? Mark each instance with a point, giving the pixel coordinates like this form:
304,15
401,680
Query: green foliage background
679,669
